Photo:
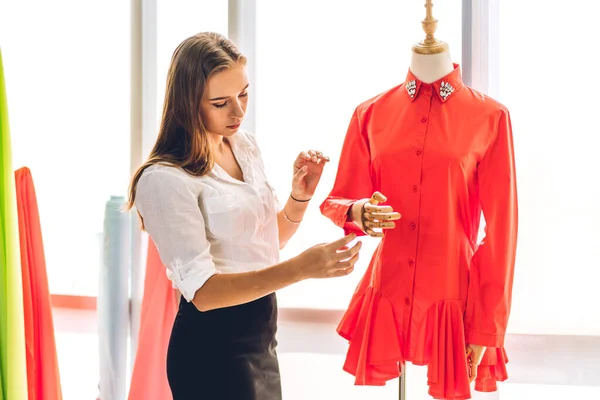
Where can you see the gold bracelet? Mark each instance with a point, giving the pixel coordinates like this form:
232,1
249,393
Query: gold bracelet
288,218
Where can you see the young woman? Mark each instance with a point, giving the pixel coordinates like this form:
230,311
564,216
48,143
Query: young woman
205,200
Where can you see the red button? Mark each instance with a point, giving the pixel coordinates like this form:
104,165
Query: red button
415,188
411,262
423,119
418,152
407,301
413,226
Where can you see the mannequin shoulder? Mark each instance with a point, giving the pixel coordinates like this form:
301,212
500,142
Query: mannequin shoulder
392,96
485,102
383,97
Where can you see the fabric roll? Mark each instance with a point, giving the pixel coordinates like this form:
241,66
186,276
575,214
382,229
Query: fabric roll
42,362
159,307
43,378
113,301
13,370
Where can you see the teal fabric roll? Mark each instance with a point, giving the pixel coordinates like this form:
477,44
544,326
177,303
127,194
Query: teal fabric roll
113,300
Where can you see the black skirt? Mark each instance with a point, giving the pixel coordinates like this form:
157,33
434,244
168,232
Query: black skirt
225,354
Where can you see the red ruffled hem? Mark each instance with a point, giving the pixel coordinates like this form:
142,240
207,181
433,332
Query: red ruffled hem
374,351
377,347
491,370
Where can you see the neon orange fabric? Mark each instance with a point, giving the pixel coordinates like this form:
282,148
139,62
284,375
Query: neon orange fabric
43,379
159,307
441,153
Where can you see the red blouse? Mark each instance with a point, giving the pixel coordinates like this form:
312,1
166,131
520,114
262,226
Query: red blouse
442,153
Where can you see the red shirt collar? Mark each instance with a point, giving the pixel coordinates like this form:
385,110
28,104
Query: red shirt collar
444,87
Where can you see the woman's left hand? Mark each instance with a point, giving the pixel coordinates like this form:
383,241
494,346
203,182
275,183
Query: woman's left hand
308,169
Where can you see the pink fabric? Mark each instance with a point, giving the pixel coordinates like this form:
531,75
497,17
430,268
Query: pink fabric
159,307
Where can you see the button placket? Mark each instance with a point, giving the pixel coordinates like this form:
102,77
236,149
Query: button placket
414,182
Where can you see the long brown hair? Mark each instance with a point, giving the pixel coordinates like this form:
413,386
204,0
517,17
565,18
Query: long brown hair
182,139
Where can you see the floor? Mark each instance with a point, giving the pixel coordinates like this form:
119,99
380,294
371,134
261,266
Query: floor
314,376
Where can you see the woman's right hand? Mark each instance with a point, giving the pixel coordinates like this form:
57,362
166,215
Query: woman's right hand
331,259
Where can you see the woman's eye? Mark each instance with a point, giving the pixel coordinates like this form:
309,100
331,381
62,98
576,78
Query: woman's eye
220,105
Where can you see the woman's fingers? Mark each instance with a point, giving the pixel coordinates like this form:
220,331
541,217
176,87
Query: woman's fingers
340,243
316,156
352,251
348,263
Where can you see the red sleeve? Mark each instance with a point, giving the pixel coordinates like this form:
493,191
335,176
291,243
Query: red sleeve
353,180
492,266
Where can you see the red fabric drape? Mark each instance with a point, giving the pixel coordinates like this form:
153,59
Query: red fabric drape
43,378
159,307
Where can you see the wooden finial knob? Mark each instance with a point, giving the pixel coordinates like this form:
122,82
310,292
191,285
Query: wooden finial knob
430,45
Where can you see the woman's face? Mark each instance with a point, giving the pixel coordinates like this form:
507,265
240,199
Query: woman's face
225,100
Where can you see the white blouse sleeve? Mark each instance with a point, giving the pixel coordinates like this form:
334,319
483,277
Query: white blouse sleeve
173,220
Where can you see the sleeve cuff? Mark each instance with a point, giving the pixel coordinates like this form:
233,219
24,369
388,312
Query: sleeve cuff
350,227
189,277
484,339
337,210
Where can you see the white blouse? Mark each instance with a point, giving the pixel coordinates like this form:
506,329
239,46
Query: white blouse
211,224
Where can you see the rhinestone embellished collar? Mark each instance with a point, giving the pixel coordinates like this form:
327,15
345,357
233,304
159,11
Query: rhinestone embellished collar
445,87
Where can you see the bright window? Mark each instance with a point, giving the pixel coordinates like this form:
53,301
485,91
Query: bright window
554,105
67,77
177,20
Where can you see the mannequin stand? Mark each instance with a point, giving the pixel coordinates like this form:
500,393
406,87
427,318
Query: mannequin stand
402,383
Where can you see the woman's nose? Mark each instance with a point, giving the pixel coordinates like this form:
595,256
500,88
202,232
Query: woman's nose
238,110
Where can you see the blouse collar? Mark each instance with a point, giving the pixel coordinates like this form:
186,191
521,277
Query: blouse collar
444,87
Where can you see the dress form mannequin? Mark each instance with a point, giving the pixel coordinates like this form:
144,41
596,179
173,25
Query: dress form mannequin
429,68
430,58
430,61
440,154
